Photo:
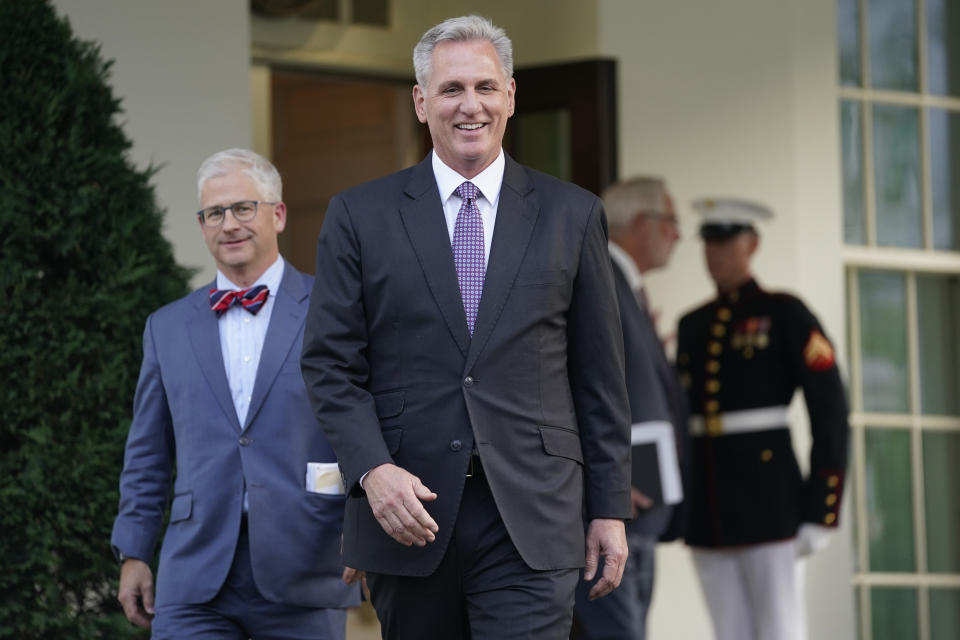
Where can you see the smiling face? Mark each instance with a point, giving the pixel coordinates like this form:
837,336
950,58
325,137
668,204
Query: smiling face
242,250
466,104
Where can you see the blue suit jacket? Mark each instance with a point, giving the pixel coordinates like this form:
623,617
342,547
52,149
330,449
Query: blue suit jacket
184,421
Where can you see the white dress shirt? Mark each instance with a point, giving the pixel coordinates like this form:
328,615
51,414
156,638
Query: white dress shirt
241,338
629,268
487,181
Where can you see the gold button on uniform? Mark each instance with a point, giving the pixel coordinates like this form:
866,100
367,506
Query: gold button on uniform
715,348
723,314
719,330
767,455
713,366
833,481
831,499
713,386
712,406
830,518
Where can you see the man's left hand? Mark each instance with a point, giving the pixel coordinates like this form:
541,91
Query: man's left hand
606,537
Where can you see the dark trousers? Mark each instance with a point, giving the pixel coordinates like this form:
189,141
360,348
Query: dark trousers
239,612
482,589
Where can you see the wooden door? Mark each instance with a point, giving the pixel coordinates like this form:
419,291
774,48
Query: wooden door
332,132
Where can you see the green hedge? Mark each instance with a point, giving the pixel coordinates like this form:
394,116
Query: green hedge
83,262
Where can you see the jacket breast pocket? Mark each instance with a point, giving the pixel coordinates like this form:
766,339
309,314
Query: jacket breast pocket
181,508
562,442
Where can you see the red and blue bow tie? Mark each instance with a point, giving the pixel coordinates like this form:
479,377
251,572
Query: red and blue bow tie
251,299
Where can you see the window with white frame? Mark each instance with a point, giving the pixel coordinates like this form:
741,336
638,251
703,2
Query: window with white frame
900,122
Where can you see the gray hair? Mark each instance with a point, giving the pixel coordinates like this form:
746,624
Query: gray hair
625,199
462,29
258,168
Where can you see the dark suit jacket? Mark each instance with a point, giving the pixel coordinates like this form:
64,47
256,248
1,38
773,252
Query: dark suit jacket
655,394
184,419
394,375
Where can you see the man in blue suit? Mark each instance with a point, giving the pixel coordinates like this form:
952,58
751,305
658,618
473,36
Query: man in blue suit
252,546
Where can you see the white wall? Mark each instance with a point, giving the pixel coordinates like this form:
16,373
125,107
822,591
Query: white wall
739,98
181,69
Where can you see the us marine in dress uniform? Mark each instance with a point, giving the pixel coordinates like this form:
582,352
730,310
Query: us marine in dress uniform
741,357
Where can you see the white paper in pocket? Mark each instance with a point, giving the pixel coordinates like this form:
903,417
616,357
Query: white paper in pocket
324,477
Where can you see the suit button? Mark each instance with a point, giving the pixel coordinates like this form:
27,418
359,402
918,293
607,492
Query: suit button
766,455
468,381
244,441
831,499
456,445
830,518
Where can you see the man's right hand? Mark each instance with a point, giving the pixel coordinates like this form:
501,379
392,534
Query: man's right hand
396,497
136,592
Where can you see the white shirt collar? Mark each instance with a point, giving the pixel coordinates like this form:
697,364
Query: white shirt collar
271,277
627,265
488,181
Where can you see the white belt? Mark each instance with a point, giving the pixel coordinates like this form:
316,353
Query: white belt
740,421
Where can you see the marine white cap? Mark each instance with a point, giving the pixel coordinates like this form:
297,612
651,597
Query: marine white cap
726,217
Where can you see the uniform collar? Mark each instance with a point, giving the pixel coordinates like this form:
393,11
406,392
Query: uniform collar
747,290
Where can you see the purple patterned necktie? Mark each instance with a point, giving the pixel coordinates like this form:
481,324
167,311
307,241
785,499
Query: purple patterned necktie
468,251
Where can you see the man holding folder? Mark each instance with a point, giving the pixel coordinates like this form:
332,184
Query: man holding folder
643,232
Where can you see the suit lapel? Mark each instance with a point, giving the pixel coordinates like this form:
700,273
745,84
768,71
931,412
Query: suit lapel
205,336
425,224
289,310
517,213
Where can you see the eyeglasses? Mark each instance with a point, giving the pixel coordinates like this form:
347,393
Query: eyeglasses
243,211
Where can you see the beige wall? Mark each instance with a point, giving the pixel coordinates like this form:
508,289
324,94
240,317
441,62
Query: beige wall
739,98
182,71
542,30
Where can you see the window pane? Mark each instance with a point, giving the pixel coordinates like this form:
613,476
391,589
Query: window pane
893,44
848,36
893,612
943,47
543,139
944,614
883,341
896,156
938,314
854,231
945,177
941,477
889,500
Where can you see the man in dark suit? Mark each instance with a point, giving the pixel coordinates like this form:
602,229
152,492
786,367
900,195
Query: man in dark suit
742,356
252,547
463,354
643,232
